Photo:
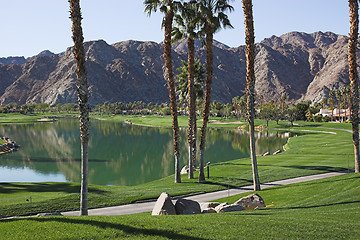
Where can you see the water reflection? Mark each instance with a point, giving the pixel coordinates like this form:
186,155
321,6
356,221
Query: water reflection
119,154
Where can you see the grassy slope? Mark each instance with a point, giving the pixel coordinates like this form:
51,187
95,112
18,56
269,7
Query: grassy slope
321,209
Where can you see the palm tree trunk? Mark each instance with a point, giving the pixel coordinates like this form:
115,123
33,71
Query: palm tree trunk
353,37
171,85
250,89
191,54
83,93
209,74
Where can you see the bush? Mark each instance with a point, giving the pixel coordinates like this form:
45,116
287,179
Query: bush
318,118
326,119
166,111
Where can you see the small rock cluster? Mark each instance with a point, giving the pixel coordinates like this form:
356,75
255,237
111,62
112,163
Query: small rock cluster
10,145
164,205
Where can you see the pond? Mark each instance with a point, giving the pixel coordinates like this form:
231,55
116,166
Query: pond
119,154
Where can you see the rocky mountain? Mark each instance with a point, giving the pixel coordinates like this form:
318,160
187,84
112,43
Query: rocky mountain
303,66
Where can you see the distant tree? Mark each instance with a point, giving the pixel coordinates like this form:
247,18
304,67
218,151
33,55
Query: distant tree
323,102
302,109
338,95
42,107
59,107
182,79
267,112
292,114
332,102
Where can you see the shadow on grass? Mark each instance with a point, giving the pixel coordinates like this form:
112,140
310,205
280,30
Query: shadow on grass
309,207
224,182
310,183
43,187
316,168
128,230
319,168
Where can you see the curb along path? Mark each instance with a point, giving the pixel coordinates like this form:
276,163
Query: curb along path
148,206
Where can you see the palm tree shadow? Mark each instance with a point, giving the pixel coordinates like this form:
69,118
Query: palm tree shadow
310,207
116,226
44,187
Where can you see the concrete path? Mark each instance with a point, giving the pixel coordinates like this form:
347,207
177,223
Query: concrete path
148,206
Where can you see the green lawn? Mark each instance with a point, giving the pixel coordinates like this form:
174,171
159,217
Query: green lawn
17,118
321,209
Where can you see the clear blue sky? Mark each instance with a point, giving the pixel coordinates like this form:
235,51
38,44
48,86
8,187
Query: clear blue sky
30,26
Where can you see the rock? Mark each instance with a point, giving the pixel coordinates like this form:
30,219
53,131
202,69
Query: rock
206,205
164,205
208,210
185,206
49,214
184,170
220,206
229,208
277,152
267,153
252,201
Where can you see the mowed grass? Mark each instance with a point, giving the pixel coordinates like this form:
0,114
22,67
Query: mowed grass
307,154
320,209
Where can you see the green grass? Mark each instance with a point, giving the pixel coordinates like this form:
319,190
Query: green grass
307,154
18,118
321,209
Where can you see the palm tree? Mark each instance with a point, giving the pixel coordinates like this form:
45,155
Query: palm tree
332,102
338,95
353,38
186,25
213,18
83,94
168,7
250,82
182,80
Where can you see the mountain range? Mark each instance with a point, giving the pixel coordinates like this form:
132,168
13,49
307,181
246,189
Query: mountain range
303,66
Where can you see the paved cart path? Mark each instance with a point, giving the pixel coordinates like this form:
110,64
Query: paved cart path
205,197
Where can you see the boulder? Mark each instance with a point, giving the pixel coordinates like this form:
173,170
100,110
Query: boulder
229,208
164,205
206,205
185,206
252,201
220,206
208,210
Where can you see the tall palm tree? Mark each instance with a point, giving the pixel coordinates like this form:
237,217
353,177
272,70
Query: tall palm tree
353,38
83,94
250,84
168,8
186,25
213,18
